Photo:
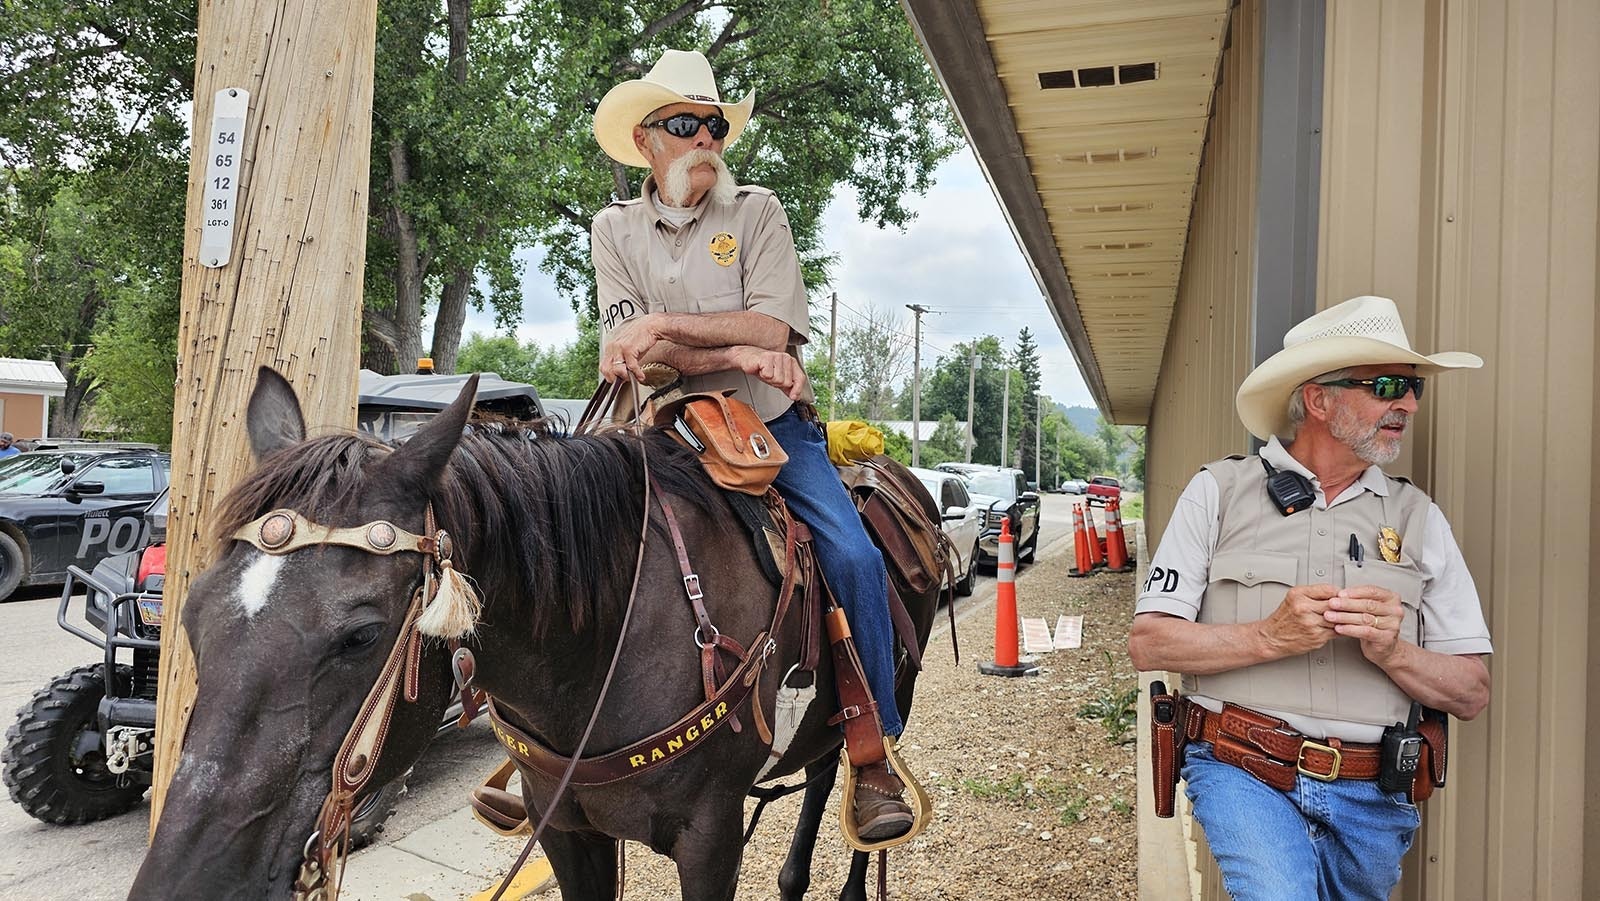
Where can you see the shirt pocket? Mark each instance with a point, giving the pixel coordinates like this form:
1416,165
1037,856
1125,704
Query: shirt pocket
1248,586
1401,578
721,301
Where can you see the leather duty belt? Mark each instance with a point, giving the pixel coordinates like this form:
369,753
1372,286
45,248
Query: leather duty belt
1266,748
664,746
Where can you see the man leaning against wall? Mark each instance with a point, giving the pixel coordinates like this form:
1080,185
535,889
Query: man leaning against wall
1323,618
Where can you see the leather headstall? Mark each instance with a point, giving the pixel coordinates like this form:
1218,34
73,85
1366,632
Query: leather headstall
281,532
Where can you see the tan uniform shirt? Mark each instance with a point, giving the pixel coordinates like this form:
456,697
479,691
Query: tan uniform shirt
726,257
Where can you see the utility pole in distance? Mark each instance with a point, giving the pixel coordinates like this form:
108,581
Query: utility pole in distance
1005,419
1038,434
916,386
833,356
972,376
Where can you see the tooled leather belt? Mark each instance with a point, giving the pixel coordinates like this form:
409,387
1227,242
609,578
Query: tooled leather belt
1266,748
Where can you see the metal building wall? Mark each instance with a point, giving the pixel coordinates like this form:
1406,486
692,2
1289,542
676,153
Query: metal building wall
1208,345
1460,165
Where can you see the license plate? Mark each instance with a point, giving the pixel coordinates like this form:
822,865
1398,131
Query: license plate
150,611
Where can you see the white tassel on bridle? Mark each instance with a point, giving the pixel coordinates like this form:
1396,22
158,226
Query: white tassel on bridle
453,611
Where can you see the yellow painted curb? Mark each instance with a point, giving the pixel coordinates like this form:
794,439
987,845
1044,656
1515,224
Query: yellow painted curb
533,879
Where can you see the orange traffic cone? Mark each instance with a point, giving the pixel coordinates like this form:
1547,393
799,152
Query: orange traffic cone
1005,613
1080,546
1097,553
1116,548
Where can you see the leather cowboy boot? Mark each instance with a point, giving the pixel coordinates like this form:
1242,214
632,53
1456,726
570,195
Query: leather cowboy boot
880,808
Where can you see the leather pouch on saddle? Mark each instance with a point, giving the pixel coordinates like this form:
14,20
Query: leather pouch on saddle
902,527
734,445
1166,747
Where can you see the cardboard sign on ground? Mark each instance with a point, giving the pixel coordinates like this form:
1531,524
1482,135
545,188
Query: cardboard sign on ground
1069,633
1036,636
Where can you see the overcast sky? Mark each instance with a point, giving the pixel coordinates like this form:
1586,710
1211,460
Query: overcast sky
957,257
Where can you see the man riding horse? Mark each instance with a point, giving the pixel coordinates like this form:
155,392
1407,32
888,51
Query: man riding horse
701,274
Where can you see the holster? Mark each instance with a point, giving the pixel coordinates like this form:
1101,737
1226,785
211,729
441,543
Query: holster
1435,729
863,731
1167,739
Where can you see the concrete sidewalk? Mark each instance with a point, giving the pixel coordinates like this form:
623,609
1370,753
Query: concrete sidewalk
451,859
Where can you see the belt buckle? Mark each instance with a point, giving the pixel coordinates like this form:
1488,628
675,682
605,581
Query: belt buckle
1300,760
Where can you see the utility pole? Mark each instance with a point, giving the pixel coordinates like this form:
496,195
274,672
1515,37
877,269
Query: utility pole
833,356
972,377
275,236
916,386
1038,434
1005,419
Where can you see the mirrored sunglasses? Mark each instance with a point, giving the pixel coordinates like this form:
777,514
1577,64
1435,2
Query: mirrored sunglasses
1384,387
687,125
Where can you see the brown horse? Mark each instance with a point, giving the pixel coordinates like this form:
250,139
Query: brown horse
548,526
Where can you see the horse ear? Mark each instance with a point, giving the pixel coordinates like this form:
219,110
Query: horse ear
273,417
425,453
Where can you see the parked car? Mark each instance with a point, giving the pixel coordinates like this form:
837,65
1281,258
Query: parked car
1074,486
962,519
74,504
1008,489
1103,490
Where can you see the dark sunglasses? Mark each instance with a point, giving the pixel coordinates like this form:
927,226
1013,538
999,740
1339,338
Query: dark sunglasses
1384,387
687,125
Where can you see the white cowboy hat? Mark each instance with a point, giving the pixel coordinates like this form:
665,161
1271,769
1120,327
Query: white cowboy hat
1359,332
680,76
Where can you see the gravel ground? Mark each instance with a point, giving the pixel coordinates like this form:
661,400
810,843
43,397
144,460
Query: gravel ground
1031,800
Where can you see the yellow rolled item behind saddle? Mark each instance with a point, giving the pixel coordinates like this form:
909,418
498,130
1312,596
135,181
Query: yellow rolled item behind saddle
851,441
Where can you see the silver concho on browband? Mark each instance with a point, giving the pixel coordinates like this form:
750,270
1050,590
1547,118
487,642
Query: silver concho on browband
285,531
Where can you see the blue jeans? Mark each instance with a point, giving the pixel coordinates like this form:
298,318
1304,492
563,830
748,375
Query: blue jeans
854,567
1327,840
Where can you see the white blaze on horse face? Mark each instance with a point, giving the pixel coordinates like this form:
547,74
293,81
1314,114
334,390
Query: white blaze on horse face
255,585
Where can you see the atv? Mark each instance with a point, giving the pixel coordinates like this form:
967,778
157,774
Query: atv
83,748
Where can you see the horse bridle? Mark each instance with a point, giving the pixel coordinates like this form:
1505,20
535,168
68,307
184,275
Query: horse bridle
283,531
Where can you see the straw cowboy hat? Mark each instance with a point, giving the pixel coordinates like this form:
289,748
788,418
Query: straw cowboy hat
1359,332
680,76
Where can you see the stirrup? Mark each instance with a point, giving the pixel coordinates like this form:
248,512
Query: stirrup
916,798
497,809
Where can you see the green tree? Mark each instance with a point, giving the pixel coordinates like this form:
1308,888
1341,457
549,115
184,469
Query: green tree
873,361
564,372
481,141
1114,440
1025,406
945,444
944,390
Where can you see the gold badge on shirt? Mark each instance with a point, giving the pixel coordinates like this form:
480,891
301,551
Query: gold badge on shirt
724,249
1389,544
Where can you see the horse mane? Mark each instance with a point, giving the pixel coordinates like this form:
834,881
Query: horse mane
550,518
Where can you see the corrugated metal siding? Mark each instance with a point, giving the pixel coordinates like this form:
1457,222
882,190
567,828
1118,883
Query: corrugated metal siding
1461,161
1208,346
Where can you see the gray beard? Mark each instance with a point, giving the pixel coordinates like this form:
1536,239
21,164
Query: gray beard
675,188
1372,445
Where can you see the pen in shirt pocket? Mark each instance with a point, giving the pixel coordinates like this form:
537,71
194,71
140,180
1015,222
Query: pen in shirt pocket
1357,552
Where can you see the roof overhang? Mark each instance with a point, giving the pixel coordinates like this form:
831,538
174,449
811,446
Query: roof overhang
1093,155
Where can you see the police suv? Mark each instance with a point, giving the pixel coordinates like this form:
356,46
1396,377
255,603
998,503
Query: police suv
74,503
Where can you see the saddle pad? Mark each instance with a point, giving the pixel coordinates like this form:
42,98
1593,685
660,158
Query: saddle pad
764,532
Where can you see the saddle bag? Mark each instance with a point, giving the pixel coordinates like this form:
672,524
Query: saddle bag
905,528
734,445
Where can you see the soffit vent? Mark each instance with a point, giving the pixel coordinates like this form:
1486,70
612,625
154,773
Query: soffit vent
1111,208
1120,245
1099,76
1123,274
1120,155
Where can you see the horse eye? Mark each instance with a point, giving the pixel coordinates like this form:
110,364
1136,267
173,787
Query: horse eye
362,637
